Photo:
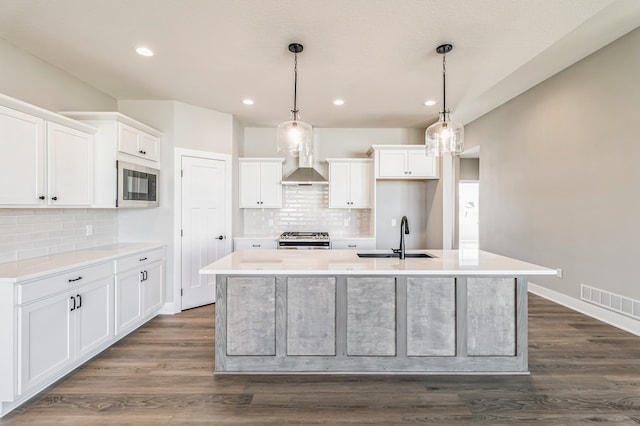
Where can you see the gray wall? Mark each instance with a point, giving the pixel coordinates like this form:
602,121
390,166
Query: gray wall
395,199
469,169
559,173
30,79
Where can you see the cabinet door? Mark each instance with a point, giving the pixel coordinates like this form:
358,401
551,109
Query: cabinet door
392,163
271,185
127,139
70,166
249,185
420,165
255,244
94,321
150,147
360,185
251,331
339,187
353,244
45,341
152,294
128,300
21,158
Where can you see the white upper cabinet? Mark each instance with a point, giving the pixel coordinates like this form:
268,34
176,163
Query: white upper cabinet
350,183
118,138
404,162
45,159
260,182
70,166
22,154
138,143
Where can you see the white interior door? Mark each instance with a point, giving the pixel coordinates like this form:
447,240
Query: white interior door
204,238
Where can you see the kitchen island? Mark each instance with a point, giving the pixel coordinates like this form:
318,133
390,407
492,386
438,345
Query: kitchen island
330,311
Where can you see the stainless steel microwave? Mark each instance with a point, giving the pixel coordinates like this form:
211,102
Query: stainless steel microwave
137,185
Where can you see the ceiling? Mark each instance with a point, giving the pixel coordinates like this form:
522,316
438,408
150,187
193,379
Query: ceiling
377,55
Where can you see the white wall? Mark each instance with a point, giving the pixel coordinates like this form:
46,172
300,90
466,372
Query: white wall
559,180
238,138
184,126
30,79
202,129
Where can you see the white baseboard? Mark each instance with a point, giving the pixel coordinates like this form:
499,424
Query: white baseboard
168,308
612,318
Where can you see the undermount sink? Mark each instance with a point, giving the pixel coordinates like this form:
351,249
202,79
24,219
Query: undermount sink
389,255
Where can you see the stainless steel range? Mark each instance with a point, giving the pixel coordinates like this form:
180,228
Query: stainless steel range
304,240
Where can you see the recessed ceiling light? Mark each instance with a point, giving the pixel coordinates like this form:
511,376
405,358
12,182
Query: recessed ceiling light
338,102
247,101
144,51
430,102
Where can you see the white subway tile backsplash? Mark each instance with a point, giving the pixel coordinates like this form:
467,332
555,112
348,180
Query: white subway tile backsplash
305,208
27,233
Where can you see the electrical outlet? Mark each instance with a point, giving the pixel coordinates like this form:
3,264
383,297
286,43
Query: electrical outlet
89,229
394,222
558,272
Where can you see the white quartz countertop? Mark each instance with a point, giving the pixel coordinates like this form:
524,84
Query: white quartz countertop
347,262
37,267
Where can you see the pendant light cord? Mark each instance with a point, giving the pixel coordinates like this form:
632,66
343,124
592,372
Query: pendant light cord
444,83
295,88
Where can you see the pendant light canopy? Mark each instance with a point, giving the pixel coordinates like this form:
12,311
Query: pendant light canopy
445,135
294,136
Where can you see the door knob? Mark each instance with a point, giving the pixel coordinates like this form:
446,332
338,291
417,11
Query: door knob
220,237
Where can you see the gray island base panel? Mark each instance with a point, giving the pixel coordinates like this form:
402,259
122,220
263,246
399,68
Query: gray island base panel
355,324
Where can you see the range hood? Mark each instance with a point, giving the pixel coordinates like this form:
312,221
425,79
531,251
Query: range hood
305,174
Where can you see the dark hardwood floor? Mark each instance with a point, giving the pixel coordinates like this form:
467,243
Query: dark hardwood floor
582,371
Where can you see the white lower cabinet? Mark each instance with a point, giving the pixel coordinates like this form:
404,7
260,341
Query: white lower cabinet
45,340
128,300
353,243
139,289
52,324
56,331
254,243
152,289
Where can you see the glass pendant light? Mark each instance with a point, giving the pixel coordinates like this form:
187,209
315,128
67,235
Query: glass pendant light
294,136
444,135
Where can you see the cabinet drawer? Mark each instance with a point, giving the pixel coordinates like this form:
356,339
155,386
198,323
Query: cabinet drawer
138,260
51,285
255,244
352,244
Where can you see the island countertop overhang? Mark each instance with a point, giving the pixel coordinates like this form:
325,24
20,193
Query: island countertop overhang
347,262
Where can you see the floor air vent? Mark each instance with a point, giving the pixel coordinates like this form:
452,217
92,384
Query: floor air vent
611,301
